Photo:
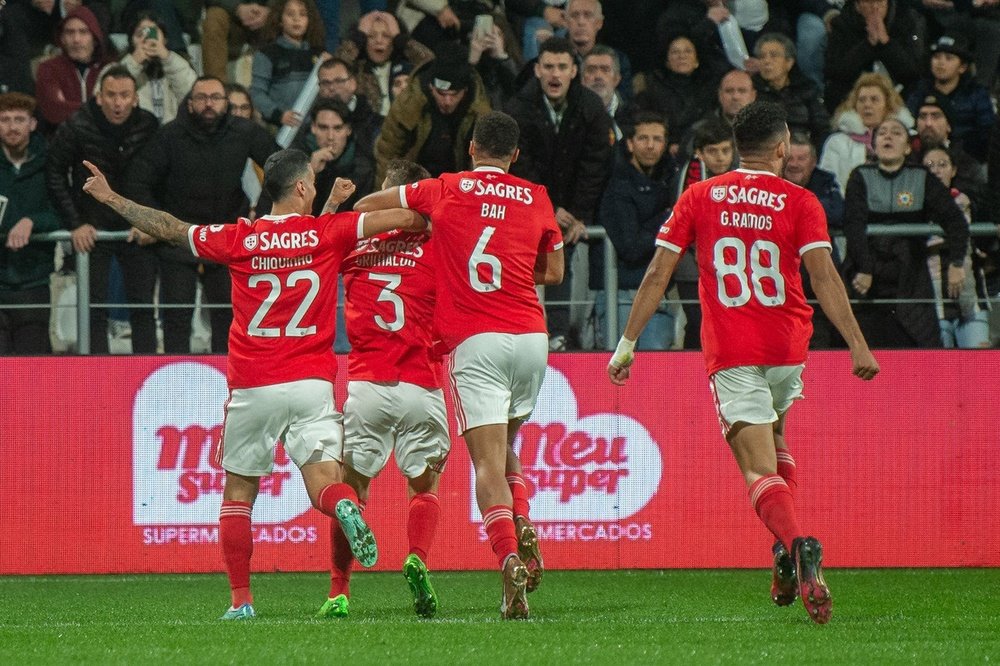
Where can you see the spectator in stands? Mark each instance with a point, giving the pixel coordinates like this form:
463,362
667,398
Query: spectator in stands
970,109
330,11
163,76
374,47
40,19
192,169
801,170
431,122
934,131
895,267
566,145
964,322
399,79
337,81
602,74
67,80
540,19
497,69
714,154
633,209
334,153
979,20
811,23
229,25
109,131
782,82
871,35
736,90
173,17
872,100
25,265
294,39
15,70
682,89
241,104
584,19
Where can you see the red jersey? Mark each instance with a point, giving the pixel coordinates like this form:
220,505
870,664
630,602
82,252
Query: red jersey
750,229
490,228
284,273
389,308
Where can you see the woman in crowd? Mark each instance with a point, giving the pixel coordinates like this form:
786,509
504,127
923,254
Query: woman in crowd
162,76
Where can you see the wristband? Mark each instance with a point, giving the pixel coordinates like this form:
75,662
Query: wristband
624,353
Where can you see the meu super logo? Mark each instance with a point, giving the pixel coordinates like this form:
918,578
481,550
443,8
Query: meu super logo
586,476
176,429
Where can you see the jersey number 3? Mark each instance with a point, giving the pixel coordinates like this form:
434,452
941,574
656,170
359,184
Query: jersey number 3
748,283
292,328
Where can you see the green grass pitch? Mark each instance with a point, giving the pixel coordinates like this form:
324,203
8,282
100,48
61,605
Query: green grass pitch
890,616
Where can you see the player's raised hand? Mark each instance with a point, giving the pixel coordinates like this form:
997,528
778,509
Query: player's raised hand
865,365
341,191
97,185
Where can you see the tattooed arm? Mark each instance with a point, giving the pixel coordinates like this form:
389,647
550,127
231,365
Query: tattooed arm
340,192
156,223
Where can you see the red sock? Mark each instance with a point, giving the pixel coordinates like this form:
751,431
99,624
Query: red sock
341,557
786,469
772,500
519,493
499,523
237,548
421,523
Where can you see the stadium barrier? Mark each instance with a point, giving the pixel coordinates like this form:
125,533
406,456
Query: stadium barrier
109,468
595,233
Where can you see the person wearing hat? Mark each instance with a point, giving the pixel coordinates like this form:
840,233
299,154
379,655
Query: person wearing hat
967,103
934,131
431,122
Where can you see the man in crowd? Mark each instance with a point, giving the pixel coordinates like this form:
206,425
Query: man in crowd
602,74
584,19
281,366
337,81
193,169
499,246
27,209
756,328
110,131
934,131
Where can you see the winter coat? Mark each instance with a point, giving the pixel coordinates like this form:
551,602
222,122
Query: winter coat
801,101
355,163
898,264
848,52
162,96
574,162
409,123
280,71
27,196
824,185
112,148
845,149
60,86
969,110
195,174
682,99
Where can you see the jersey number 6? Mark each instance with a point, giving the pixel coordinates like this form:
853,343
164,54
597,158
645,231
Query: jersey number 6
481,258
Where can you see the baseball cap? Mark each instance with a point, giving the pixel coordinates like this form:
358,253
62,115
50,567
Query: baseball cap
954,44
932,100
450,69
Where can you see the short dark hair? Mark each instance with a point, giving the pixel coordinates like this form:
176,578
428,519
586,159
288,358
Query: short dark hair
557,45
779,38
282,170
712,131
602,50
800,138
404,172
116,72
331,104
330,63
645,118
16,101
206,77
496,134
758,126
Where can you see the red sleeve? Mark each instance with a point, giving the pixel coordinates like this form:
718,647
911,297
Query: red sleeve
340,229
811,229
422,195
552,238
677,233
219,242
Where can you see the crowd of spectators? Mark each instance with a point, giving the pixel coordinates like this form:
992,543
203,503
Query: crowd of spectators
621,106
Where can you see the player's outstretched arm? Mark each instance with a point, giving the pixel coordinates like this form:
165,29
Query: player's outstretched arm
156,223
647,299
832,296
396,218
550,268
381,200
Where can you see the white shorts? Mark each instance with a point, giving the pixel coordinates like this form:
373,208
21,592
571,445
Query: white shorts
495,377
755,394
300,414
407,419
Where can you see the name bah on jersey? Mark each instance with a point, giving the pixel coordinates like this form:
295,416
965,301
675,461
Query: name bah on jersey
503,190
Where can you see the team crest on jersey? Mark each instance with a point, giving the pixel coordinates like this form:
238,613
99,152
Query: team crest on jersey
718,193
466,184
904,199
250,242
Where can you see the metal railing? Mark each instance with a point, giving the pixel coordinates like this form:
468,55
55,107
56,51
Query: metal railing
593,232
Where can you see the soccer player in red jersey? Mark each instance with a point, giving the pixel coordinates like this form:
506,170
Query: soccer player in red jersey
281,365
395,403
751,230
497,238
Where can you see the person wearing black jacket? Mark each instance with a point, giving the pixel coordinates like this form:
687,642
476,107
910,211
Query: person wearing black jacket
565,145
781,81
192,169
109,130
